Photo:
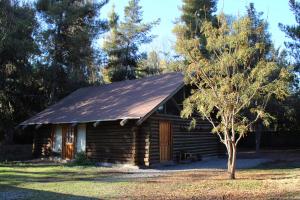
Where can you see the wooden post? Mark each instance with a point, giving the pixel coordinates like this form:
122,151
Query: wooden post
38,126
123,121
96,123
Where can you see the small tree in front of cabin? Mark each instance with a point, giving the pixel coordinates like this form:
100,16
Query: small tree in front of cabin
230,90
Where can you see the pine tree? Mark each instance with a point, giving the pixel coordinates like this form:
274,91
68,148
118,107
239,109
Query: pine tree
17,82
259,33
114,50
150,65
66,35
291,107
293,33
194,14
122,45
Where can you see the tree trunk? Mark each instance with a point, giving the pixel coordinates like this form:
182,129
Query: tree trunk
258,136
231,163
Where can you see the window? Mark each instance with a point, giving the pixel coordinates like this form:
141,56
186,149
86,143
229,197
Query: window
161,109
70,135
81,138
57,139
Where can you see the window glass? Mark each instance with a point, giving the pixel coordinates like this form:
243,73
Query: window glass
57,139
70,135
81,138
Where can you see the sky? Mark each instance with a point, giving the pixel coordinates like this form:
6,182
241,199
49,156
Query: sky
275,11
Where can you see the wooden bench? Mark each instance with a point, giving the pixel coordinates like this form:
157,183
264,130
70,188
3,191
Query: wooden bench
190,156
186,156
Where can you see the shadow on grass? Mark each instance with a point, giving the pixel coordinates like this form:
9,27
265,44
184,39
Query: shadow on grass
46,165
26,165
18,178
16,175
279,164
14,193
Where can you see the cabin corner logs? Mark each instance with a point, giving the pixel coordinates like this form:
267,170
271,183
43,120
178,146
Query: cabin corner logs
142,145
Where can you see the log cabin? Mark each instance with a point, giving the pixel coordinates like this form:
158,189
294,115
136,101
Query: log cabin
134,122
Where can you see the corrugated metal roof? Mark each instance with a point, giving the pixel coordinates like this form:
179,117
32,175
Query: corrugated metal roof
132,99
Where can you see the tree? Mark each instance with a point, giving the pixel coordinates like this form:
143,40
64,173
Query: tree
17,82
194,14
291,108
67,31
171,63
150,65
159,63
114,50
293,33
259,34
230,91
122,45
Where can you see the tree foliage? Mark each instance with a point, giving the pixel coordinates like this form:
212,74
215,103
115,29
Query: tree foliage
66,34
230,90
150,65
290,110
293,33
159,63
259,33
123,42
194,14
16,48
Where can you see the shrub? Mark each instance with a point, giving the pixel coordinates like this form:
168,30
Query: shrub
81,159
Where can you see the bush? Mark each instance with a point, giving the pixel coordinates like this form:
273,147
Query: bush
81,159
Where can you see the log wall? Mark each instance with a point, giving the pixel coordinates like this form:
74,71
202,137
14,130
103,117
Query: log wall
110,142
199,141
143,143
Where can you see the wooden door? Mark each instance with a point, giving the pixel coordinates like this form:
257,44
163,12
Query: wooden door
68,147
165,141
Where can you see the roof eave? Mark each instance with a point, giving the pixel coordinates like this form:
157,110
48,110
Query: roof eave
79,122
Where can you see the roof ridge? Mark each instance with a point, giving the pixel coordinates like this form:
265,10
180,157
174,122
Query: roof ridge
128,80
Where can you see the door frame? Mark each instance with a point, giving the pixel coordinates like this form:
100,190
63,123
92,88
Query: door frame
64,135
170,139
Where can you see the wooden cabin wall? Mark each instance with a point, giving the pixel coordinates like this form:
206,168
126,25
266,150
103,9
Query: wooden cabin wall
110,142
42,141
143,142
200,141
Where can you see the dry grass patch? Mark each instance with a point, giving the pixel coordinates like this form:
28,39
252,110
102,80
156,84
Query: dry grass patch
217,186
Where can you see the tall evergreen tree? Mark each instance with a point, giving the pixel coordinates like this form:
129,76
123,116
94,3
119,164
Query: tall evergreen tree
122,45
66,35
194,14
113,49
291,107
259,33
16,48
150,65
293,33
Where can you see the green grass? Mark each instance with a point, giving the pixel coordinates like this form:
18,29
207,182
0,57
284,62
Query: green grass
24,181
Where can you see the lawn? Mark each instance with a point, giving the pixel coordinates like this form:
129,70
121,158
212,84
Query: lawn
25,181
